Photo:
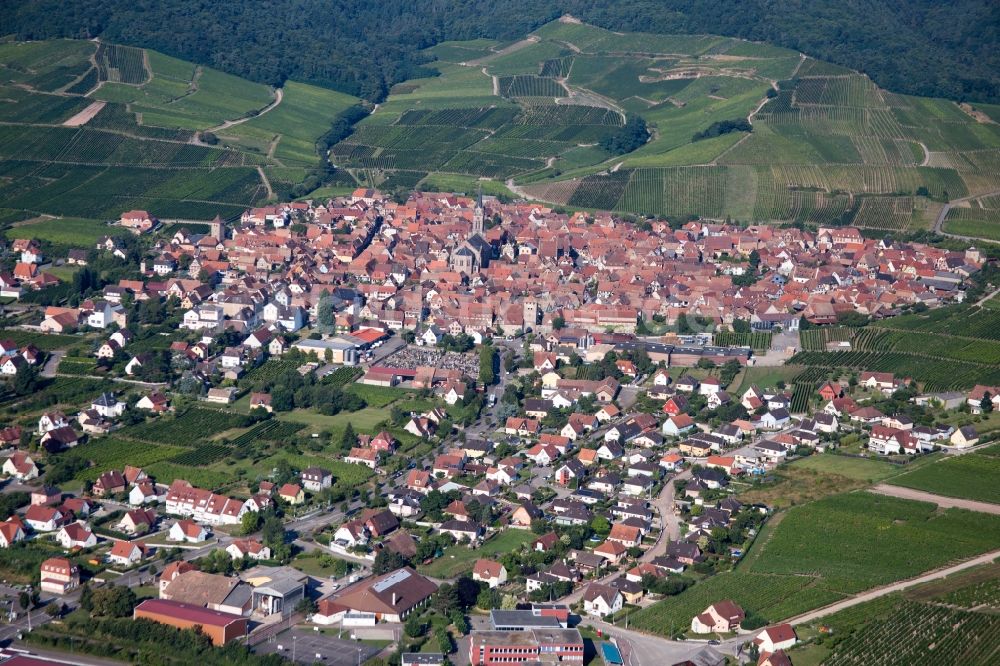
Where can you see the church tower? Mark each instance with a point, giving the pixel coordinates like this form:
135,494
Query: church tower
478,215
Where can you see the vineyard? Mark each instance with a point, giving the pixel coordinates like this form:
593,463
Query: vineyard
121,64
759,341
271,430
107,453
342,376
801,393
194,425
771,597
971,321
973,476
921,634
859,540
933,374
817,339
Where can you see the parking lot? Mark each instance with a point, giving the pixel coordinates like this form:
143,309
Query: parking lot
310,647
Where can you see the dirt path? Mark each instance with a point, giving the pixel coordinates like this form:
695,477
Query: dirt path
940,500
267,183
987,297
52,365
927,154
496,82
84,116
516,46
278,96
985,558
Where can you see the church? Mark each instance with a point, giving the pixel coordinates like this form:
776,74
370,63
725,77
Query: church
475,253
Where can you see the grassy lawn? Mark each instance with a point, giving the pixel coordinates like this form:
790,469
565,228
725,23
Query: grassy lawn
460,558
765,377
364,420
860,469
971,476
71,231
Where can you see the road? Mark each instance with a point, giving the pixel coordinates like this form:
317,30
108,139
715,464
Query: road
940,500
279,94
937,574
52,365
939,222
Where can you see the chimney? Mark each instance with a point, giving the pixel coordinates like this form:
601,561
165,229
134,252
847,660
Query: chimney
393,599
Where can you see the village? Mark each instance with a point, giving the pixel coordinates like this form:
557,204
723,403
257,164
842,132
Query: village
451,427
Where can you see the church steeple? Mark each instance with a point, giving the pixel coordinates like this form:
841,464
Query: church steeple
478,215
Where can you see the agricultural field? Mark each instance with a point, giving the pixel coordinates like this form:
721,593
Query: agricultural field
65,232
193,425
815,553
930,373
768,596
759,341
90,130
107,453
971,476
869,540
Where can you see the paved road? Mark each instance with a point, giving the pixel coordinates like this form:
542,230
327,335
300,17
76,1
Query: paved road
939,222
940,500
52,365
985,558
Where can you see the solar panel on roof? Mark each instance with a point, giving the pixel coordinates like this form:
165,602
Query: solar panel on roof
390,580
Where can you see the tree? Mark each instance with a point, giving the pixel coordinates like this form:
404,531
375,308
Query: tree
413,626
249,522
683,327
349,438
558,323
23,600
113,601
324,312
388,560
446,599
986,404
25,381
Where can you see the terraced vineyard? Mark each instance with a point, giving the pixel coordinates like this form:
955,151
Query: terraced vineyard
932,374
88,130
757,340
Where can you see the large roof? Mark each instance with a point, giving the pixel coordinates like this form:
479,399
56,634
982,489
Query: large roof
394,592
187,612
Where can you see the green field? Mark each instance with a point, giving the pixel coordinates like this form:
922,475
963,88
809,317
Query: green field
971,476
73,232
460,558
815,553
139,151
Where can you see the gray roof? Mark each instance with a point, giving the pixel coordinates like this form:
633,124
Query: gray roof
521,618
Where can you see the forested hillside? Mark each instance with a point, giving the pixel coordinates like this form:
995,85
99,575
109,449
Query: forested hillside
921,47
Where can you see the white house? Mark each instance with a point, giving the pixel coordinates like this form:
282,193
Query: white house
187,530
248,548
778,637
492,573
602,600
75,535
108,406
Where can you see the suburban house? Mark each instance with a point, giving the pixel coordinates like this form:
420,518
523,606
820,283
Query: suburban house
721,617
489,572
59,576
602,600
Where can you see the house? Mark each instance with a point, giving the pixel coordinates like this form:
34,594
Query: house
522,426
569,470
721,617
51,421
43,518
292,493
60,439
141,493
363,456
137,521
261,401
154,402
602,600
776,419
885,382
59,576
492,573
964,437
523,515
108,406
111,482
778,637
461,530
11,531
677,425
687,383
21,466
45,495
626,535
75,535
315,479
187,531
126,553
612,551
248,548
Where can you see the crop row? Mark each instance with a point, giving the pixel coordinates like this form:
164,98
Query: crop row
816,339
934,374
191,426
969,321
121,64
757,340
202,455
930,344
